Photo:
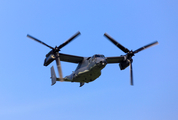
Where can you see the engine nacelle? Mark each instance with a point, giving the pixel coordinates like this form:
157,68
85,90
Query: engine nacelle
49,59
124,64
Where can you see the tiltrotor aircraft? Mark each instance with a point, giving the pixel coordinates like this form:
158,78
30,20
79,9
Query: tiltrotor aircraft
89,68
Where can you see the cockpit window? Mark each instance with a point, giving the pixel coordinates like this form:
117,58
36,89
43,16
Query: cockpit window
99,56
102,56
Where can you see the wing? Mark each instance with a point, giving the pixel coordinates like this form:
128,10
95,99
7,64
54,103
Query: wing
70,58
117,59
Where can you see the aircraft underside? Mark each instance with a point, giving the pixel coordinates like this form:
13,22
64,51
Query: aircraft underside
87,76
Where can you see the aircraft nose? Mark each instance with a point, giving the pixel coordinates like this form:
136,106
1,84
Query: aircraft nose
103,62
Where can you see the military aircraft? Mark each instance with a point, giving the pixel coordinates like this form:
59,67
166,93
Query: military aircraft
89,68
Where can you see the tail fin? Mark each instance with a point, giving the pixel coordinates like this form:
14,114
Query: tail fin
53,76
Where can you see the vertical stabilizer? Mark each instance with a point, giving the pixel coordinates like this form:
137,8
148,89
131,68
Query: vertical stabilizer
53,76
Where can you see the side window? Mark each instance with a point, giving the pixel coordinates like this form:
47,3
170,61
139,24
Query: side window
93,57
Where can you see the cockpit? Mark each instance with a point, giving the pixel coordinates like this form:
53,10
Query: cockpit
98,56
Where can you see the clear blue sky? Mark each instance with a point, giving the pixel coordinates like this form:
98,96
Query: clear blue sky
25,87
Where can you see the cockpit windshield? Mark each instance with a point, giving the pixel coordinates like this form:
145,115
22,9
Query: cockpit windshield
102,56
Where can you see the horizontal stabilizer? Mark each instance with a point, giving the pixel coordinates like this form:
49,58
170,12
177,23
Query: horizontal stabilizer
54,78
64,79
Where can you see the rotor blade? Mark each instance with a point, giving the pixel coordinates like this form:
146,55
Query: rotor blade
59,67
39,41
146,46
116,43
69,40
131,74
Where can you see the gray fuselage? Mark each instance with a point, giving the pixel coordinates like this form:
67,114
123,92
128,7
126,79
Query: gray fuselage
88,70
